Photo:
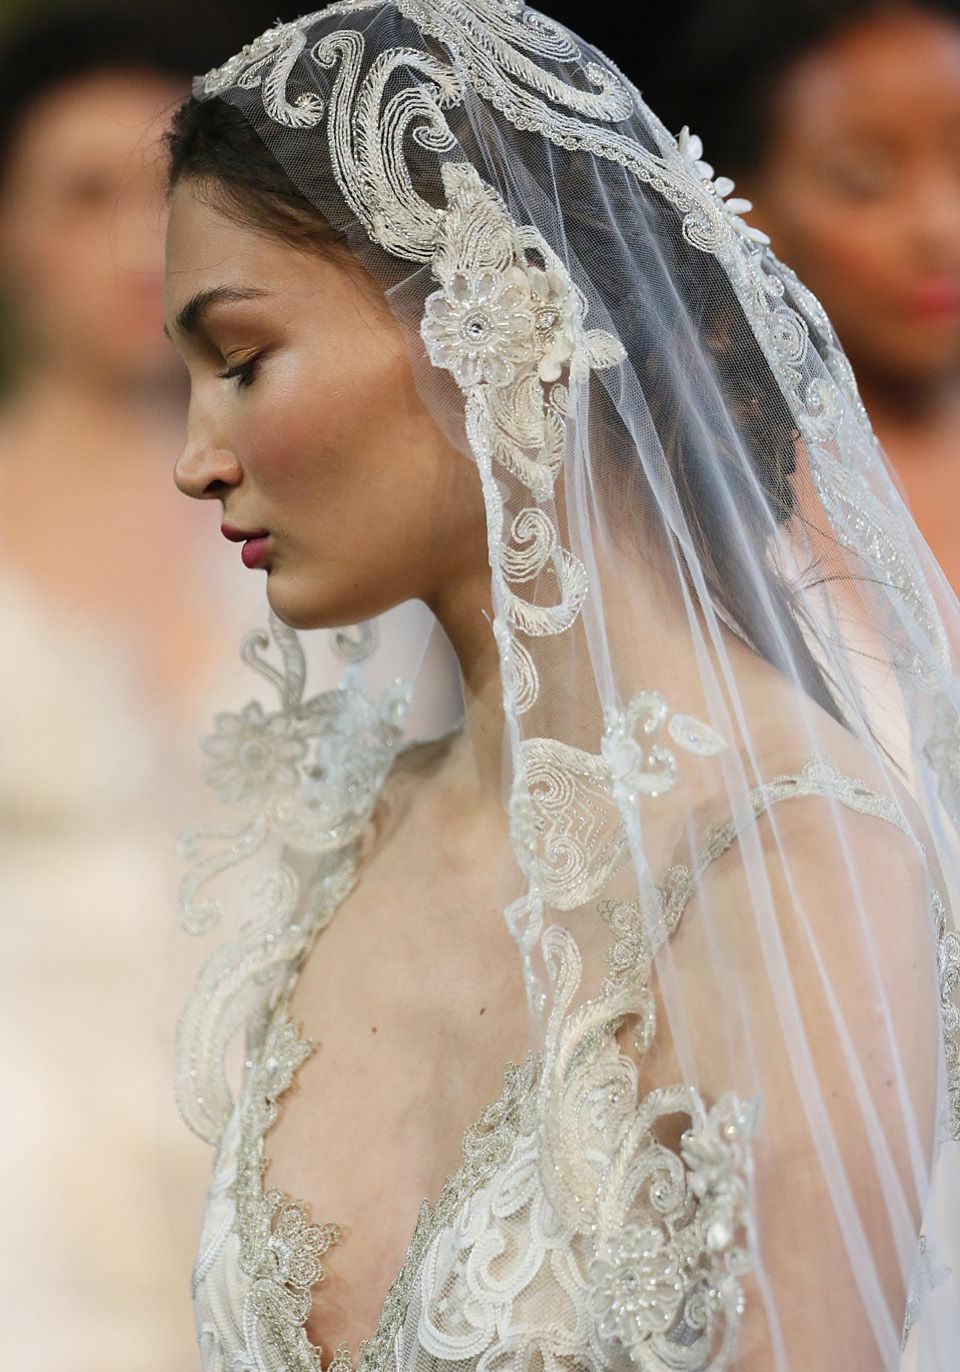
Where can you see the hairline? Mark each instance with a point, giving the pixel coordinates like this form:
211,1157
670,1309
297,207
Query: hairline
228,198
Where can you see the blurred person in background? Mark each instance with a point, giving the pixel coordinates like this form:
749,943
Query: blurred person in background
115,622
840,120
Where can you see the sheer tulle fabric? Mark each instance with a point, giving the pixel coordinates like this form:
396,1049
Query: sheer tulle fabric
732,750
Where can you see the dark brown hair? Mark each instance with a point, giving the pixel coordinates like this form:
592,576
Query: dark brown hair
212,144
720,64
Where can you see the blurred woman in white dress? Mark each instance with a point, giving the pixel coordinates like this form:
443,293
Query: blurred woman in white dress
116,616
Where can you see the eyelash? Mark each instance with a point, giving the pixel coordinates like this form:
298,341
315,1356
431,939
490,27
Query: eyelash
243,373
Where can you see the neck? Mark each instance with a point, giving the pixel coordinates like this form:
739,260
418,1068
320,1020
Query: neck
465,613
656,657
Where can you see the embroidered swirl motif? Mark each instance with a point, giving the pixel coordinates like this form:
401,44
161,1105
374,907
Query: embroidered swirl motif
491,43
508,322
948,967
565,1162
267,63
307,775
649,1238
657,1264
280,1250
632,771
507,361
659,1231
570,815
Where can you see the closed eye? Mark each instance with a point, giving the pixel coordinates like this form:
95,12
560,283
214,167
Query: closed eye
242,372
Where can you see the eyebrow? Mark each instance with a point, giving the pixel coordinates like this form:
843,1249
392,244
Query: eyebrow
190,318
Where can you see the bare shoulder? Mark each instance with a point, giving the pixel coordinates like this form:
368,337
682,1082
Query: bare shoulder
815,932
824,917
844,846
855,842
847,884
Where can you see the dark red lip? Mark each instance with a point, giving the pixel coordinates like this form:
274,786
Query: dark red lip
935,300
254,543
254,551
241,535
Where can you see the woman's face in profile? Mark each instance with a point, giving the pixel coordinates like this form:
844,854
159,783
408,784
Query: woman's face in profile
860,188
82,223
306,425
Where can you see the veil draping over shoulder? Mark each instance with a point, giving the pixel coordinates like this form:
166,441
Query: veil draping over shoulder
732,758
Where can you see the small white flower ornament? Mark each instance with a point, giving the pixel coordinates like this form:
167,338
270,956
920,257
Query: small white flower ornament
691,150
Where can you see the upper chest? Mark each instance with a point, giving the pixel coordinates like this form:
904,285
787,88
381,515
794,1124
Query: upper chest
414,999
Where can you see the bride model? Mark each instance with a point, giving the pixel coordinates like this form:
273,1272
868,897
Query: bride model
616,1027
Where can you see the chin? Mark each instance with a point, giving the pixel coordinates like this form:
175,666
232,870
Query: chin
300,610
298,604
294,615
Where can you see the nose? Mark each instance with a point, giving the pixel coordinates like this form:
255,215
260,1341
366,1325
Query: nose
206,472
936,220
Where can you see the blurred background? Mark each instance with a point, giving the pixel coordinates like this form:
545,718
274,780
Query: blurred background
121,609
121,615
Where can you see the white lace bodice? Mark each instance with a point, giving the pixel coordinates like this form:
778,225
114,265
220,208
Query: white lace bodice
569,1231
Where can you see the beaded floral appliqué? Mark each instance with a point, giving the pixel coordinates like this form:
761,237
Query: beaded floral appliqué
662,1232
307,775
652,1237
633,770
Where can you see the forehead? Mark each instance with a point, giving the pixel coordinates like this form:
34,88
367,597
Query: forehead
895,75
204,246
208,250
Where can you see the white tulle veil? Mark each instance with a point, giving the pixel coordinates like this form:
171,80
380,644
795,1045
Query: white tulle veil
732,757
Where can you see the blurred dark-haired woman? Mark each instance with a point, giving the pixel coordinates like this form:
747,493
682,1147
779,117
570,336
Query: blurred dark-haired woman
840,120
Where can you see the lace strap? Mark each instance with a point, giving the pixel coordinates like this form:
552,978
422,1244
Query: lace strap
818,778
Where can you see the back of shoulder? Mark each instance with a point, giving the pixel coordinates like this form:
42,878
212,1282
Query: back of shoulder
846,876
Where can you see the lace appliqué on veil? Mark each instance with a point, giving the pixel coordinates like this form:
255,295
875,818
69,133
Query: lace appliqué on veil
647,1241
508,322
948,967
567,1161
306,776
639,931
660,1235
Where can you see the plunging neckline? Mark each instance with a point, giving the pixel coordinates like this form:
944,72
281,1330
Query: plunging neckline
279,1240
281,1244
281,1247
